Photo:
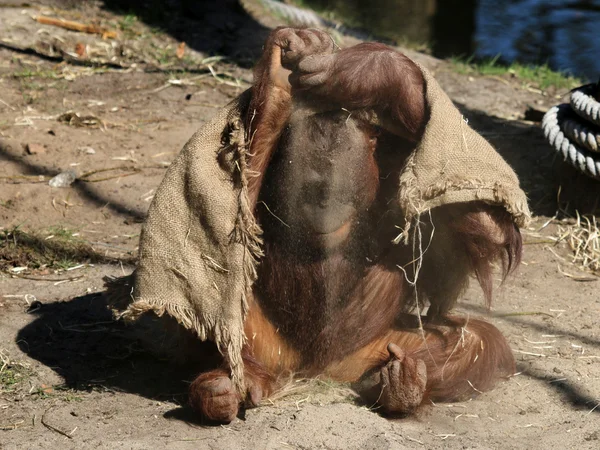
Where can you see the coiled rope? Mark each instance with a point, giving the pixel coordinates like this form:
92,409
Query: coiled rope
573,130
586,106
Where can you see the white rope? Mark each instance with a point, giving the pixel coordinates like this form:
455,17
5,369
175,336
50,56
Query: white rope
580,134
586,106
581,159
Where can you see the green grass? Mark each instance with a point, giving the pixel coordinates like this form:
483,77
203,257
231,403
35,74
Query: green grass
541,76
10,377
12,374
128,24
30,87
63,392
28,73
14,378
10,203
60,232
128,21
54,248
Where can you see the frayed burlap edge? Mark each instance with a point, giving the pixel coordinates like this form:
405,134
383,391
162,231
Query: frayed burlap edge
228,336
416,200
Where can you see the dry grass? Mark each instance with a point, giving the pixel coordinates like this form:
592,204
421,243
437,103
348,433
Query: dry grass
313,391
583,238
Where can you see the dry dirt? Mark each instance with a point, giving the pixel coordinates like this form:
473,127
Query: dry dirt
72,378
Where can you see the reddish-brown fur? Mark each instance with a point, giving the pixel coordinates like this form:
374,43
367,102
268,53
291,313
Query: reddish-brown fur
343,310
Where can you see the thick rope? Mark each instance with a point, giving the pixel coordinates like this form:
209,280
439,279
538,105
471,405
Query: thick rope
586,106
584,136
553,125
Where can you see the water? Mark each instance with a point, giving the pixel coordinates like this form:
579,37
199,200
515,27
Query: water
564,33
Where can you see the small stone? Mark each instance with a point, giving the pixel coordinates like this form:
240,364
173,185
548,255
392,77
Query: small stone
87,150
35,149
593,436
63,179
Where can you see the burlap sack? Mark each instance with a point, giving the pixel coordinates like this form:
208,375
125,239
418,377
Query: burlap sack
453,163
200,243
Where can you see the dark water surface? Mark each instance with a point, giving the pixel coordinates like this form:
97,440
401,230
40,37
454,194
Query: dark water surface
564,33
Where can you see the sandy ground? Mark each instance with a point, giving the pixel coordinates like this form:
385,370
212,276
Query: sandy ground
73,378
